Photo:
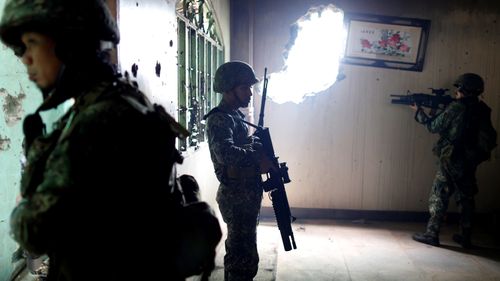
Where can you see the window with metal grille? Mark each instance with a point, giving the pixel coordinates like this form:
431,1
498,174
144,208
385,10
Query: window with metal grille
199,54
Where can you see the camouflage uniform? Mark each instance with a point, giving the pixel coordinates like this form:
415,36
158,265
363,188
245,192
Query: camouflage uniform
236,163
95,188
456,174
97,191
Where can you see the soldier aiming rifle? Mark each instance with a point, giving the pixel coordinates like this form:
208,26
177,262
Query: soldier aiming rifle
437,100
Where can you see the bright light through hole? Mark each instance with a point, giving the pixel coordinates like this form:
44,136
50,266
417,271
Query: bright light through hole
313,60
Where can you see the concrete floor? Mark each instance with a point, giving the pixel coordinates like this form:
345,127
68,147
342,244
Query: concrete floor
365,251
374,251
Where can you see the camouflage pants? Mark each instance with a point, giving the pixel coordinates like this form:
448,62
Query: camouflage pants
240,207
449,181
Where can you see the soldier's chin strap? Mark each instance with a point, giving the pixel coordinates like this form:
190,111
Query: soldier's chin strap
52,97
240,102
33,125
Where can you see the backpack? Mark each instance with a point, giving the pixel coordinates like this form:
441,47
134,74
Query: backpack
198,229
481,136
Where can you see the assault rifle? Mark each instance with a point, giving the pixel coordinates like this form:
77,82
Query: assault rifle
437,100
276,179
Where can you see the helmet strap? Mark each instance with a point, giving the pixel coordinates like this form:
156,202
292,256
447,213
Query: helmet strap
238,102
48,91
232,99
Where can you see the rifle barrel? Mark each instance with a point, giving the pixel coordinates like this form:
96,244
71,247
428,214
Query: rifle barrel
263,103
401,102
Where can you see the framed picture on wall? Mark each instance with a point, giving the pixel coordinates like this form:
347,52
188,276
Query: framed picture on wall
383,41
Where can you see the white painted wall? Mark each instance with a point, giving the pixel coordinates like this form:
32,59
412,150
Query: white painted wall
147,29
349,148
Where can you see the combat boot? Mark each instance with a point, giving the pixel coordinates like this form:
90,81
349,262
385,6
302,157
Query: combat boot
426,238
463,239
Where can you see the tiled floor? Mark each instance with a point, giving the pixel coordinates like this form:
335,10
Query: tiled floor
369,251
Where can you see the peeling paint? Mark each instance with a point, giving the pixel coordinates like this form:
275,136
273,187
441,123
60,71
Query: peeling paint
4,143
12,106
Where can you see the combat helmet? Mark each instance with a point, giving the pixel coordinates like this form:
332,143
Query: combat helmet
232,74
85,19
470,84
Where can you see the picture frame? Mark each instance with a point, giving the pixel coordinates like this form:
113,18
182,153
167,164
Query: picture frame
385,41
